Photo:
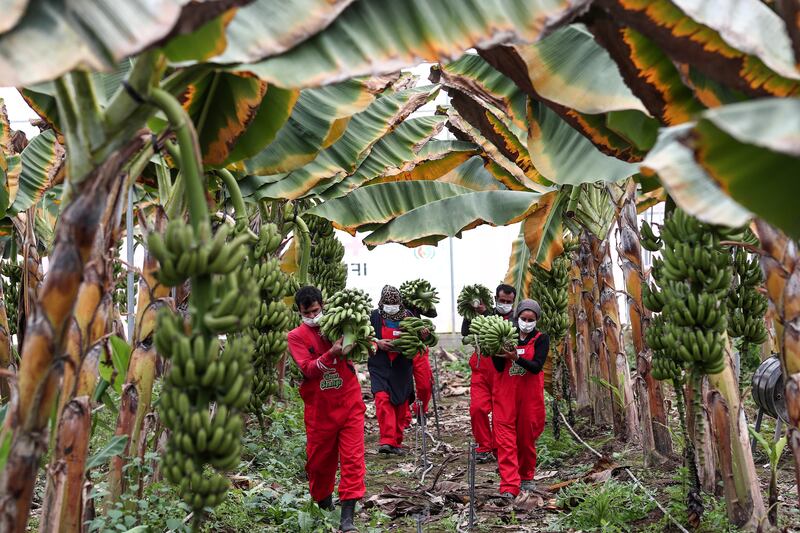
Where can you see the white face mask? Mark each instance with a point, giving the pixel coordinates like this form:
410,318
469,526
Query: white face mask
313,322
526,327
391,309
504,308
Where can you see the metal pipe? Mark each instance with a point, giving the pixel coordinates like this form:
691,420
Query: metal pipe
452,289
471,474
435,394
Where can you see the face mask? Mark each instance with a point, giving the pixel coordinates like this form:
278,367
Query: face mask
391,309
526,327
504,308
313,322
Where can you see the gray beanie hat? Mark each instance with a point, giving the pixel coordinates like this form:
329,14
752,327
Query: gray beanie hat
528,305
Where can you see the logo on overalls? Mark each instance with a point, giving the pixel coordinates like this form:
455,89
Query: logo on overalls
516,370
330,380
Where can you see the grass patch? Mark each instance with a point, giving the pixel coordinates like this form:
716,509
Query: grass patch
610,507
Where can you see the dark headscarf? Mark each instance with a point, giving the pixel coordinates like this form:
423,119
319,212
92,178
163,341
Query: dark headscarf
391,296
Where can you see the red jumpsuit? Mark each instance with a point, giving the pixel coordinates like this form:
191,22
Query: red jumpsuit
519,418
481,385
423,379
393,418
334,416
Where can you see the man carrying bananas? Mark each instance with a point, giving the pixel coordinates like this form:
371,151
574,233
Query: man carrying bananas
334,411
483,376
423,375
390,374
519,413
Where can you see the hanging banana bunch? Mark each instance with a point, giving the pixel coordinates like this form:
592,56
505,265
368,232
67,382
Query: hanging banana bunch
326,270
12,278
419,294
746,305
208,384
269,330
471,297
347,315
491,334
410,342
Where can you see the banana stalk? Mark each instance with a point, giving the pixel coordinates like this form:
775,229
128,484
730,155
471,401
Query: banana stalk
581,321
5,348
781,265
655,436
305,247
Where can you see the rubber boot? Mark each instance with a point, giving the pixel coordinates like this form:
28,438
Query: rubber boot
326,503
348,509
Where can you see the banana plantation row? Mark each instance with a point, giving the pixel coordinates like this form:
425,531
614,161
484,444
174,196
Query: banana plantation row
243,132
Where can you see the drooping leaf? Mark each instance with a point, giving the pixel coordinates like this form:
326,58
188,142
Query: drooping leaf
564,156
473,175
203,43
426,225
391,155
345,155
543,229
43,103
52,39
708,91
262,29
741,43
115,446
311,123
375,36
42,164
368,207
519,274
120,357
47,211
222,106
433,161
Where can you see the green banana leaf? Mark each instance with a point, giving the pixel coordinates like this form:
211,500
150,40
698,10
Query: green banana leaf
42,163
201,44
262,29
426,225
375,36
369,207
390,156
312,124
564,156
345,155
543,229
519,274
749,150
473,175
50,39
435,160
741,43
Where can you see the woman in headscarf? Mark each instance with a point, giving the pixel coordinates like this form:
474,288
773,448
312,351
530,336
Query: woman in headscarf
519,413
390,374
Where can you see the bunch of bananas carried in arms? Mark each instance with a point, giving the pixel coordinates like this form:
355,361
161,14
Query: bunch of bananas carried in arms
491,335
347,317
411,343
471,297
419,294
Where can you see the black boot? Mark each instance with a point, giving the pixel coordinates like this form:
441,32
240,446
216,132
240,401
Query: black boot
326,503
348,509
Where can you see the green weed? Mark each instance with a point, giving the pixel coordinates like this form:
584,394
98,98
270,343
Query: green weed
610,507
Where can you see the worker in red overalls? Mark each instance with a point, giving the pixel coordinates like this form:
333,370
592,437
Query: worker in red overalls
423,375
391,374
334,411
482,378
519,413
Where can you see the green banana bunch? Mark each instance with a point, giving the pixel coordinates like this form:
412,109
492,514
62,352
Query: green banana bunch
410,342
550,289
491,334
269,240
182,254
470,297
12,281
235,302
326,270
648,239
420,294
746,306
202,372
347,315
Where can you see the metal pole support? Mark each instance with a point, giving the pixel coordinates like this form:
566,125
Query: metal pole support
435,394
473,447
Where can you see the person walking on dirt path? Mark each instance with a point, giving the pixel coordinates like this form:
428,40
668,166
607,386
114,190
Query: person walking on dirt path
423,375
519,411
334,411
482,378
390,374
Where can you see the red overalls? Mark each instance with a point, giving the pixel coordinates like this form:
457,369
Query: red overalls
392,419
519,418
423,379
334,416
481,385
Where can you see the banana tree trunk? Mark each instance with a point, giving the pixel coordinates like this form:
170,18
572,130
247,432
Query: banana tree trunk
703,442
618,362
580,357
655,436
781,265
745,504
31,273
40,374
